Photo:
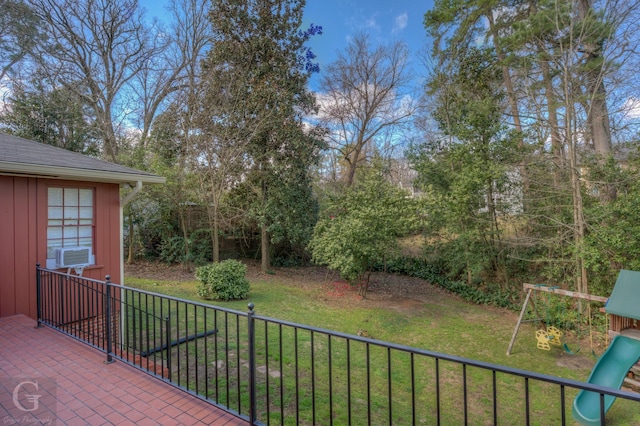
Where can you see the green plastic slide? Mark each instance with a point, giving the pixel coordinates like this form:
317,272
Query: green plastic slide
609,371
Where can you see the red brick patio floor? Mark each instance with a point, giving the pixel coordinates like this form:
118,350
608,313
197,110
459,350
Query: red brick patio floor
79,389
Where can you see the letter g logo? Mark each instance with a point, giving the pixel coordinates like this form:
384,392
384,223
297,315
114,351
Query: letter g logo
33,399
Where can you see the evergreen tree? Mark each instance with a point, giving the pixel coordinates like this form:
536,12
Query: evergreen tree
55,116
254,98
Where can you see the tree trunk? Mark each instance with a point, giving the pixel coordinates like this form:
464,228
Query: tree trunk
353,163
601,133
215,234
110,149
350,173
578,232
597,110
578,207
599,120
265,261
552,112
185,238
264,247
214,225
513,106
493,216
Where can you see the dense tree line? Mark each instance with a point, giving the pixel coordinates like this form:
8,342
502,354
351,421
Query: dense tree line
515,160
530,102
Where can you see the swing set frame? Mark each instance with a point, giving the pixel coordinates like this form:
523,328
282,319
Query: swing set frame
530,288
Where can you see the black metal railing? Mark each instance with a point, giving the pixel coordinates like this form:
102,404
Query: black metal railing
269,371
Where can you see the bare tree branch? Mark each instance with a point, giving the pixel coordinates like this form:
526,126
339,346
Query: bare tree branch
364,95
104,44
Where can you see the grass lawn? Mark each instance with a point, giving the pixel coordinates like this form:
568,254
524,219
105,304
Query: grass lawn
405,311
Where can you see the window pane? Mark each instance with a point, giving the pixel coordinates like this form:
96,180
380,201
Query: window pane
54,232
86,213
86,197
85,231
55,213
85,242
70,213
70,232
55,196
56,242
55,216
69,242
70,197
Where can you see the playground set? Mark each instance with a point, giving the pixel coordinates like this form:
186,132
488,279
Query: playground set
618,365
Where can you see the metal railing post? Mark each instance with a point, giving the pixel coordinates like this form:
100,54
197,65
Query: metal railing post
167,330
38,297
108,320
252,364
61,302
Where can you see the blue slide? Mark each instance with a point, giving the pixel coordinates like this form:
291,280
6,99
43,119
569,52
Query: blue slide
610,371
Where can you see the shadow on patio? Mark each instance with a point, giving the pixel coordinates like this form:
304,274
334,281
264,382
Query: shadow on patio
75,386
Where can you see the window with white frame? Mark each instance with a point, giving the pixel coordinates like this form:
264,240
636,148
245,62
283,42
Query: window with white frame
70,219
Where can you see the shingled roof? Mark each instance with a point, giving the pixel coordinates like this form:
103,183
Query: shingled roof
23,157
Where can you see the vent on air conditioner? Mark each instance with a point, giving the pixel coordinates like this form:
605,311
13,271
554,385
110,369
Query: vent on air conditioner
73,256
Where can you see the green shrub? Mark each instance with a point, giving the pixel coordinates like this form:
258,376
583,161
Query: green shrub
223,281
172,250
201,251
196,249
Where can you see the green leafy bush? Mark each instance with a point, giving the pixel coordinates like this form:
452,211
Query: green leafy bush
201,251
223,281
172,250
196,249
361,226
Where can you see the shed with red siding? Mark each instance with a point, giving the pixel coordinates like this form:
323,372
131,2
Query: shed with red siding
52,200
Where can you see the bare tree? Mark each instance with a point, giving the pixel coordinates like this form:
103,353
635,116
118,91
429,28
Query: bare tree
365,95
176,66
104,44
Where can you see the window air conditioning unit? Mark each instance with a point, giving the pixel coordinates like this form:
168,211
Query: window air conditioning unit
70,257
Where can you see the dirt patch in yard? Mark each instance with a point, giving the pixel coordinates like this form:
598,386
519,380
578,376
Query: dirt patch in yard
398,292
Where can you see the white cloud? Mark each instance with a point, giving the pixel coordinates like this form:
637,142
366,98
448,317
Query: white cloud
371,23
5,92
400,23
360,22
632,108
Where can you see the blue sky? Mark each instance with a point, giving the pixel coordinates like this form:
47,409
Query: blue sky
385,21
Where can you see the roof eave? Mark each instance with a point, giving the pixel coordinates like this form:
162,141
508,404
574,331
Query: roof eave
67,173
